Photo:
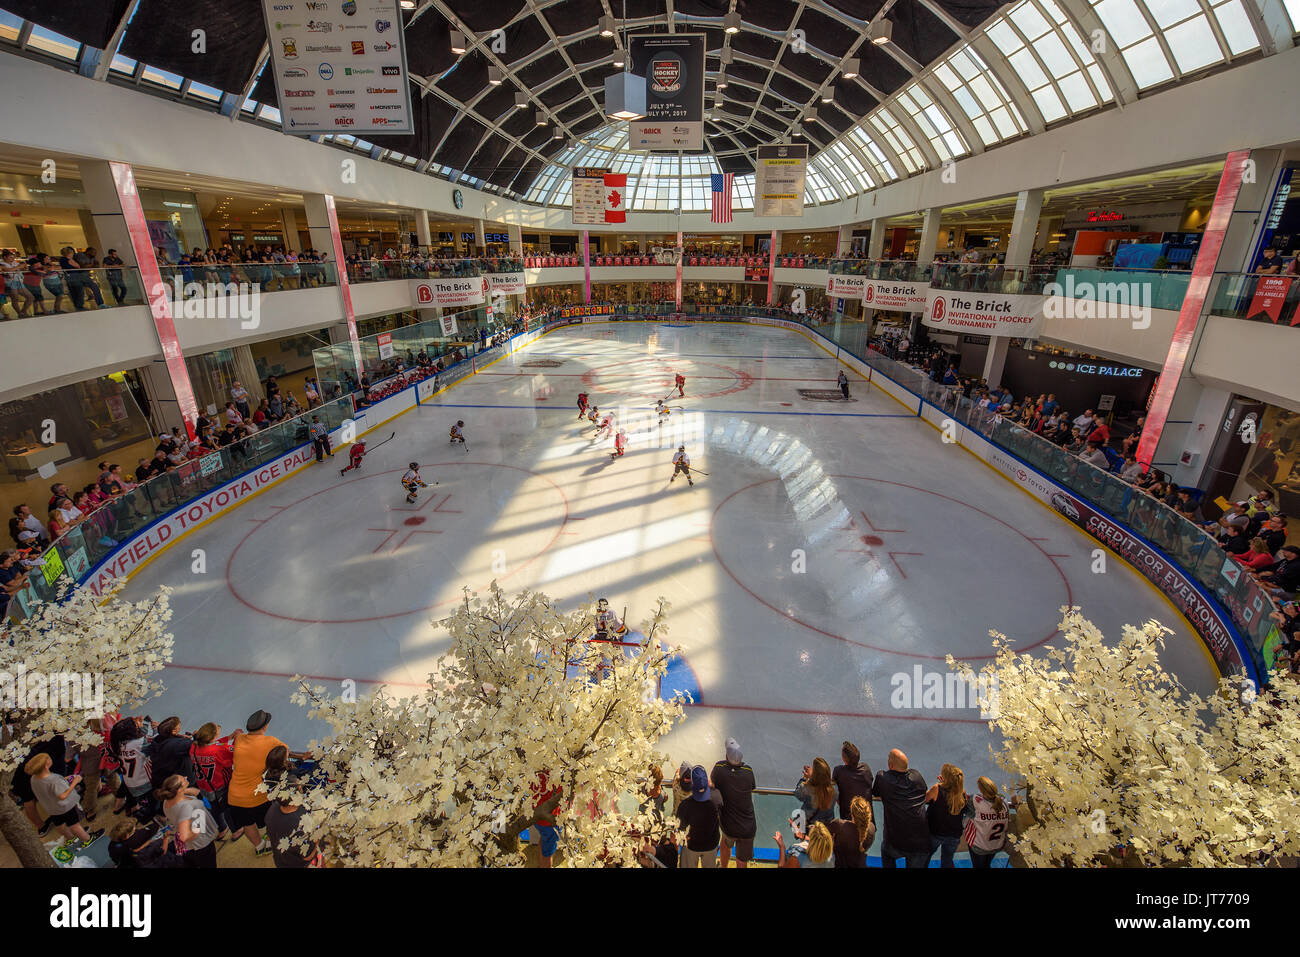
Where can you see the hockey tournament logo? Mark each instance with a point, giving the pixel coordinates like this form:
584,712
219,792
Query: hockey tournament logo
938,308
290,48
666,75
869,294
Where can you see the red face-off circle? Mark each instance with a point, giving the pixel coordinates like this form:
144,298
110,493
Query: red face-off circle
654,376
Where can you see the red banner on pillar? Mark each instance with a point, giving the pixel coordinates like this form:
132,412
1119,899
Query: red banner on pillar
1270,295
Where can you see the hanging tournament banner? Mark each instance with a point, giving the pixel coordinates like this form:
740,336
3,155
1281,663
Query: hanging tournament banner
1270,295
990,313
445,293
339,65
896,296
840,286
507,283
385,345
589,195
779,180
673,67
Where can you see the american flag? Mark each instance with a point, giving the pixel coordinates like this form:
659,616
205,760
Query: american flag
721,186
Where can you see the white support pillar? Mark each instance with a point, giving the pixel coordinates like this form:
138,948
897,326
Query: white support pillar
925,249
876,242
480,242
516,234
844,241
106,210
289,227
422,234
1020,245
318,225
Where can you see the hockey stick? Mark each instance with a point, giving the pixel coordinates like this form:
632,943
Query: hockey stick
698,472
389,439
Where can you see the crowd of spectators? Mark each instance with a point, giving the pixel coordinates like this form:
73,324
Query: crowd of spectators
272,268
72,277
834,824
177,797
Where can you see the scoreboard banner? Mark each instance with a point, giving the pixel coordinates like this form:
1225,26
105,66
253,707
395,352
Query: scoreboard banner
339,66
779,180
673,67
589,195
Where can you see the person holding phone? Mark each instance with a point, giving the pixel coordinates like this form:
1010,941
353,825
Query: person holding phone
58,798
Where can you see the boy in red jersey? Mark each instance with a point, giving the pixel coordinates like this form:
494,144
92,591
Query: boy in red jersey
213,759
355,455
680,382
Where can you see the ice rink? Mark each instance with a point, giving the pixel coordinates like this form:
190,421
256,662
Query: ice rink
832,547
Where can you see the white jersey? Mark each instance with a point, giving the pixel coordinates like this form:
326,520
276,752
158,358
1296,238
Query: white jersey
987,830
411,476
135,766
681,458
607,621
456,432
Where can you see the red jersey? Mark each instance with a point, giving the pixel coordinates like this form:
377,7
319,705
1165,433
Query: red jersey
213,764
681,379
358,450
544,794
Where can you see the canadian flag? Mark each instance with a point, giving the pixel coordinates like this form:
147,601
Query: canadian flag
615,197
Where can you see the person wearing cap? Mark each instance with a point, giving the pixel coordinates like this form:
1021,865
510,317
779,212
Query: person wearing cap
247,806
1284,577
1236,515
700,817
289,847
733,780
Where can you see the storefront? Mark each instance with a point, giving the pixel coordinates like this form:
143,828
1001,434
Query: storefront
1257,447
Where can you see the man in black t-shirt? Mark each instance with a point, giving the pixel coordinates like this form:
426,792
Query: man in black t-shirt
902,795
852,778
1284,577
733,780
283,822
699,816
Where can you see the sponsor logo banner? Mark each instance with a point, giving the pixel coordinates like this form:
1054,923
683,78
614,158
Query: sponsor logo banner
990,313
304,54
896,296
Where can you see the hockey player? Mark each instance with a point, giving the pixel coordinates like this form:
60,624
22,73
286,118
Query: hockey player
682,464
606,426
412,481
582,404
620,443
608,627
355,454
457,432
680,383
593,413
663,411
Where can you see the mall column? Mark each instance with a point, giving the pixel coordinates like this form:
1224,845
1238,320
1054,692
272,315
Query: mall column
323,227
1185,415
1020,248
876,241
925,250
120,224
774,247
516,234
422,234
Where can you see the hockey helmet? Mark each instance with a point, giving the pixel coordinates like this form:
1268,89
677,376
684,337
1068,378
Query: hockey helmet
602,604
460,421
414,465
681,448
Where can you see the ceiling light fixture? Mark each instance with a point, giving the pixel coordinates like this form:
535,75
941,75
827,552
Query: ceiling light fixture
810,116
458,45
559,133
408,4
731,23
619,59
722,79
606,26
540,117
625,96
494,76
828,97
882,32
521,99
851,67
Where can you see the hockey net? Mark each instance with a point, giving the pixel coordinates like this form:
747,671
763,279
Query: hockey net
593,658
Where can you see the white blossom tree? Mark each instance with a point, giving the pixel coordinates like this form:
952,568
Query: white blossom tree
71,661
1124,765
449,776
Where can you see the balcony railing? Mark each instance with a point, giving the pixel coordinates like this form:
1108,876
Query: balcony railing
71,290
1257,298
